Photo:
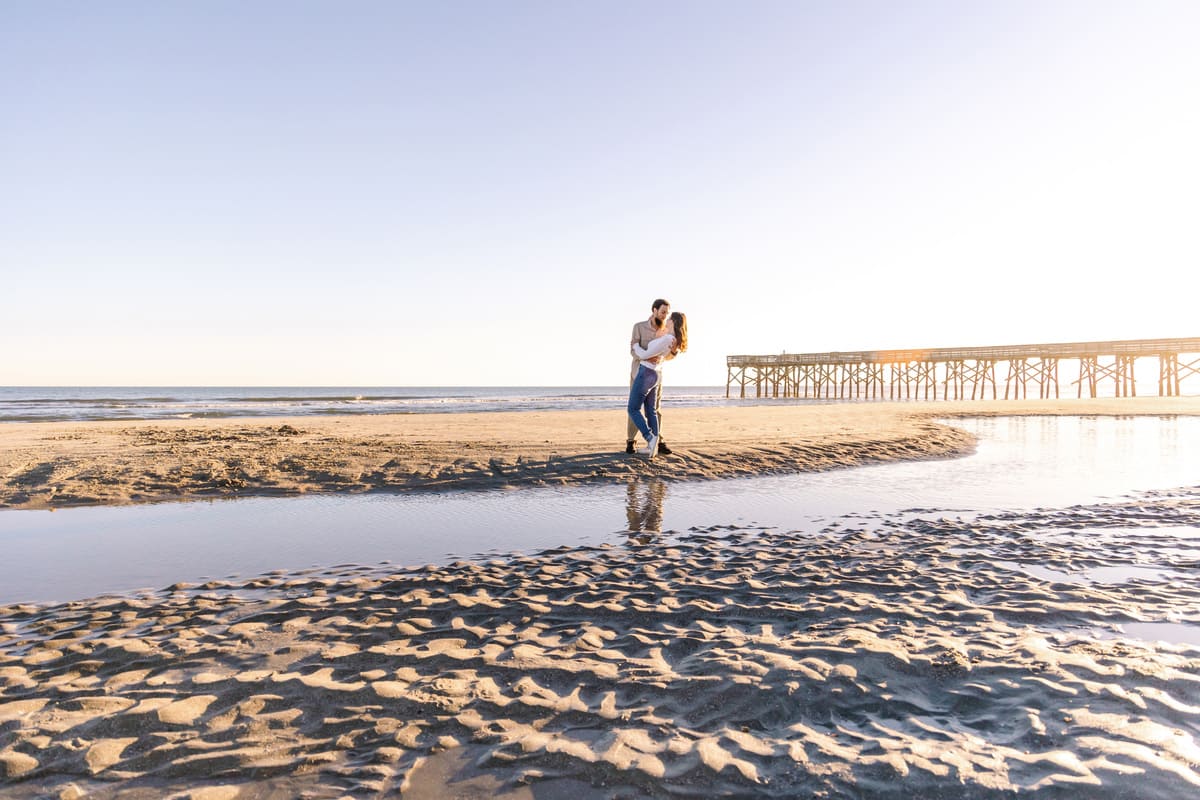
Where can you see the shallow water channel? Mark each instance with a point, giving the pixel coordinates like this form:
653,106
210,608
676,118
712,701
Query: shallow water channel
1021,463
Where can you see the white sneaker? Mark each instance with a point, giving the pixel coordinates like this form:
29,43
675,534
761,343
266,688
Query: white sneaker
651,446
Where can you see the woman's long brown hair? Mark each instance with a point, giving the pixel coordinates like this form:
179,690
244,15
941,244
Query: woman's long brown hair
680,332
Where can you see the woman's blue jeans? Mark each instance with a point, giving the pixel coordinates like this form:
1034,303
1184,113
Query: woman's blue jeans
642,395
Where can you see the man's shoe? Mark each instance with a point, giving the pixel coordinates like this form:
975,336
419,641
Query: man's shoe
629,446
662,448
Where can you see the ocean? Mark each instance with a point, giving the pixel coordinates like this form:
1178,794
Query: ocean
93,403
86,403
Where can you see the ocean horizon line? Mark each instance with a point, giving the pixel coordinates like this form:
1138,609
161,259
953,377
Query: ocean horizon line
98,403
333,385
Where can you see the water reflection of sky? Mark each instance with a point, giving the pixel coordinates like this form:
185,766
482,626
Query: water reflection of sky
1021,463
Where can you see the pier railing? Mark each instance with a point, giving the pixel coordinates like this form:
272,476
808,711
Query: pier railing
908,374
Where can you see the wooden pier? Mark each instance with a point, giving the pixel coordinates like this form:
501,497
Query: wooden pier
959,373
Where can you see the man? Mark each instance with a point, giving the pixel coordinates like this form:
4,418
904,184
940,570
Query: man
643,332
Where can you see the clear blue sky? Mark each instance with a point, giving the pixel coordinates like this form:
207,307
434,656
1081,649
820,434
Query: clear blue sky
391,193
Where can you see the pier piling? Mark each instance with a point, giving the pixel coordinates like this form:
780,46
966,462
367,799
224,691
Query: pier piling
918,374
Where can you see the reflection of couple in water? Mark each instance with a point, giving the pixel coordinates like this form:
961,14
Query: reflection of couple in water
644,508
654,342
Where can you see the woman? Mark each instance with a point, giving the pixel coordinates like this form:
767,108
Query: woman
670,342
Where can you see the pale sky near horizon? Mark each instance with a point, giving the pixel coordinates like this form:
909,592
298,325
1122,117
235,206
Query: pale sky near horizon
470,193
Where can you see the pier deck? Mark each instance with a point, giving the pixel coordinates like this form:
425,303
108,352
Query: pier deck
960,372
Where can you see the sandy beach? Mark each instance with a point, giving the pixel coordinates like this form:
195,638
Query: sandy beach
62,464
905,655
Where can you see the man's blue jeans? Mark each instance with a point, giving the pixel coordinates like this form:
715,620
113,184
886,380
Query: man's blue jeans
642,396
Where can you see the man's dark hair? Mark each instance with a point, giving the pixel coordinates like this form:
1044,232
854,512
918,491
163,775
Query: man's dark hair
658,303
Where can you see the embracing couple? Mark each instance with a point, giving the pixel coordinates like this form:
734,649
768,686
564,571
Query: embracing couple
654,342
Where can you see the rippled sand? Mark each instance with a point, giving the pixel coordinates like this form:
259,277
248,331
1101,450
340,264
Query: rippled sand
913,655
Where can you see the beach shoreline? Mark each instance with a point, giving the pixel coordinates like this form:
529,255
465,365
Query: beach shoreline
944,653
46,465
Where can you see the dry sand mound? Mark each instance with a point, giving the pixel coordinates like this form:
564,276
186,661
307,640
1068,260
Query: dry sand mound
55,465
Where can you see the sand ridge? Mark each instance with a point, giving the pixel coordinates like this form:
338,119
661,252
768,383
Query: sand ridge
882,656
55,465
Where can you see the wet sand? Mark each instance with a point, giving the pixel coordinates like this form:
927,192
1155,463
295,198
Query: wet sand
1052,653
900,656
56,465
